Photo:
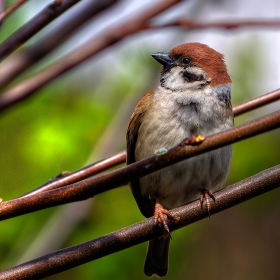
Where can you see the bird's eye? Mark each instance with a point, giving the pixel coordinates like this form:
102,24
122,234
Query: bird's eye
186,60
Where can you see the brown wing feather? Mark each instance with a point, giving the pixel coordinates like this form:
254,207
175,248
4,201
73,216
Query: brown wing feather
144,203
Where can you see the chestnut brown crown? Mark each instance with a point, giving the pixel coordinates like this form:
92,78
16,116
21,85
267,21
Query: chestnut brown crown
204,57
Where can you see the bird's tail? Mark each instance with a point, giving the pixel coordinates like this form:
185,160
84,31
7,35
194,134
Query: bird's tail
157,257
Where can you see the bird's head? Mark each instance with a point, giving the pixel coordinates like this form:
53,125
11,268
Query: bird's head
191,66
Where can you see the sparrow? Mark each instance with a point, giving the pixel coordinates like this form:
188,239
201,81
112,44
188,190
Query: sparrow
193,98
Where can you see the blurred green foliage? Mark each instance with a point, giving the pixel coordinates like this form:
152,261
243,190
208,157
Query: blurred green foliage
57,129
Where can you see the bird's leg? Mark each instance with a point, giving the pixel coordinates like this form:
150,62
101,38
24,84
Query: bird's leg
205,196
160,213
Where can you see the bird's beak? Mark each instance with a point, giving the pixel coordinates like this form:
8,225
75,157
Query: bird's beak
163,58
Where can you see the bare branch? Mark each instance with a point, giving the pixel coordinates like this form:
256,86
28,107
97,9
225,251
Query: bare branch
2,8
64,189
70,257
105,38
88,171
22,60
222,24
256,102
11,9
38,22
2,5
120,157
96,185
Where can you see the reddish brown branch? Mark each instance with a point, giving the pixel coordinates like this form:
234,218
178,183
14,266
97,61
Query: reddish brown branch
221,25
96,185
2,8
70,257
83,173
256,102
25,58
120,157
37,23
105,38
11,9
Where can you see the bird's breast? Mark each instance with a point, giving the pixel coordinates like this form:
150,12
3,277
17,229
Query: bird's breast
174,116
171,118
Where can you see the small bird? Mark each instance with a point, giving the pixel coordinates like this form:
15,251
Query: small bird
193,98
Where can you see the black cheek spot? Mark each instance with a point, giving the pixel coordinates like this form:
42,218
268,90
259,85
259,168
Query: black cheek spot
190,77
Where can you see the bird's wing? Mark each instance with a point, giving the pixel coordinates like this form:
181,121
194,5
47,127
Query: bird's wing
144,203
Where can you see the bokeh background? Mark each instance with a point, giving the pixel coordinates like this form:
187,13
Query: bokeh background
82,117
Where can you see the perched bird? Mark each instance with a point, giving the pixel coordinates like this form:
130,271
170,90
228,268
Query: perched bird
193,98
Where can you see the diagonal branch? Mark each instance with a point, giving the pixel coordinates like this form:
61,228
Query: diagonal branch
257,102
108,37
11,9
120,157
88,171
222,24
96,185
25,58
37,23
70,257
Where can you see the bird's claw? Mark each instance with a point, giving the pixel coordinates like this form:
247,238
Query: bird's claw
206,195
160,215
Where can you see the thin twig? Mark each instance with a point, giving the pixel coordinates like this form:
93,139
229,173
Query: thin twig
11,9
221,25
22,60
256,102
88,171
37,23
2,8
70,257
96,185
30,60
2,5
107,38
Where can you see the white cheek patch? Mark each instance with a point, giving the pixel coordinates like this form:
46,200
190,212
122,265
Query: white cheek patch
175,80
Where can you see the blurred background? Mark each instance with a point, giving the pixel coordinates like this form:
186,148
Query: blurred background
82,117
